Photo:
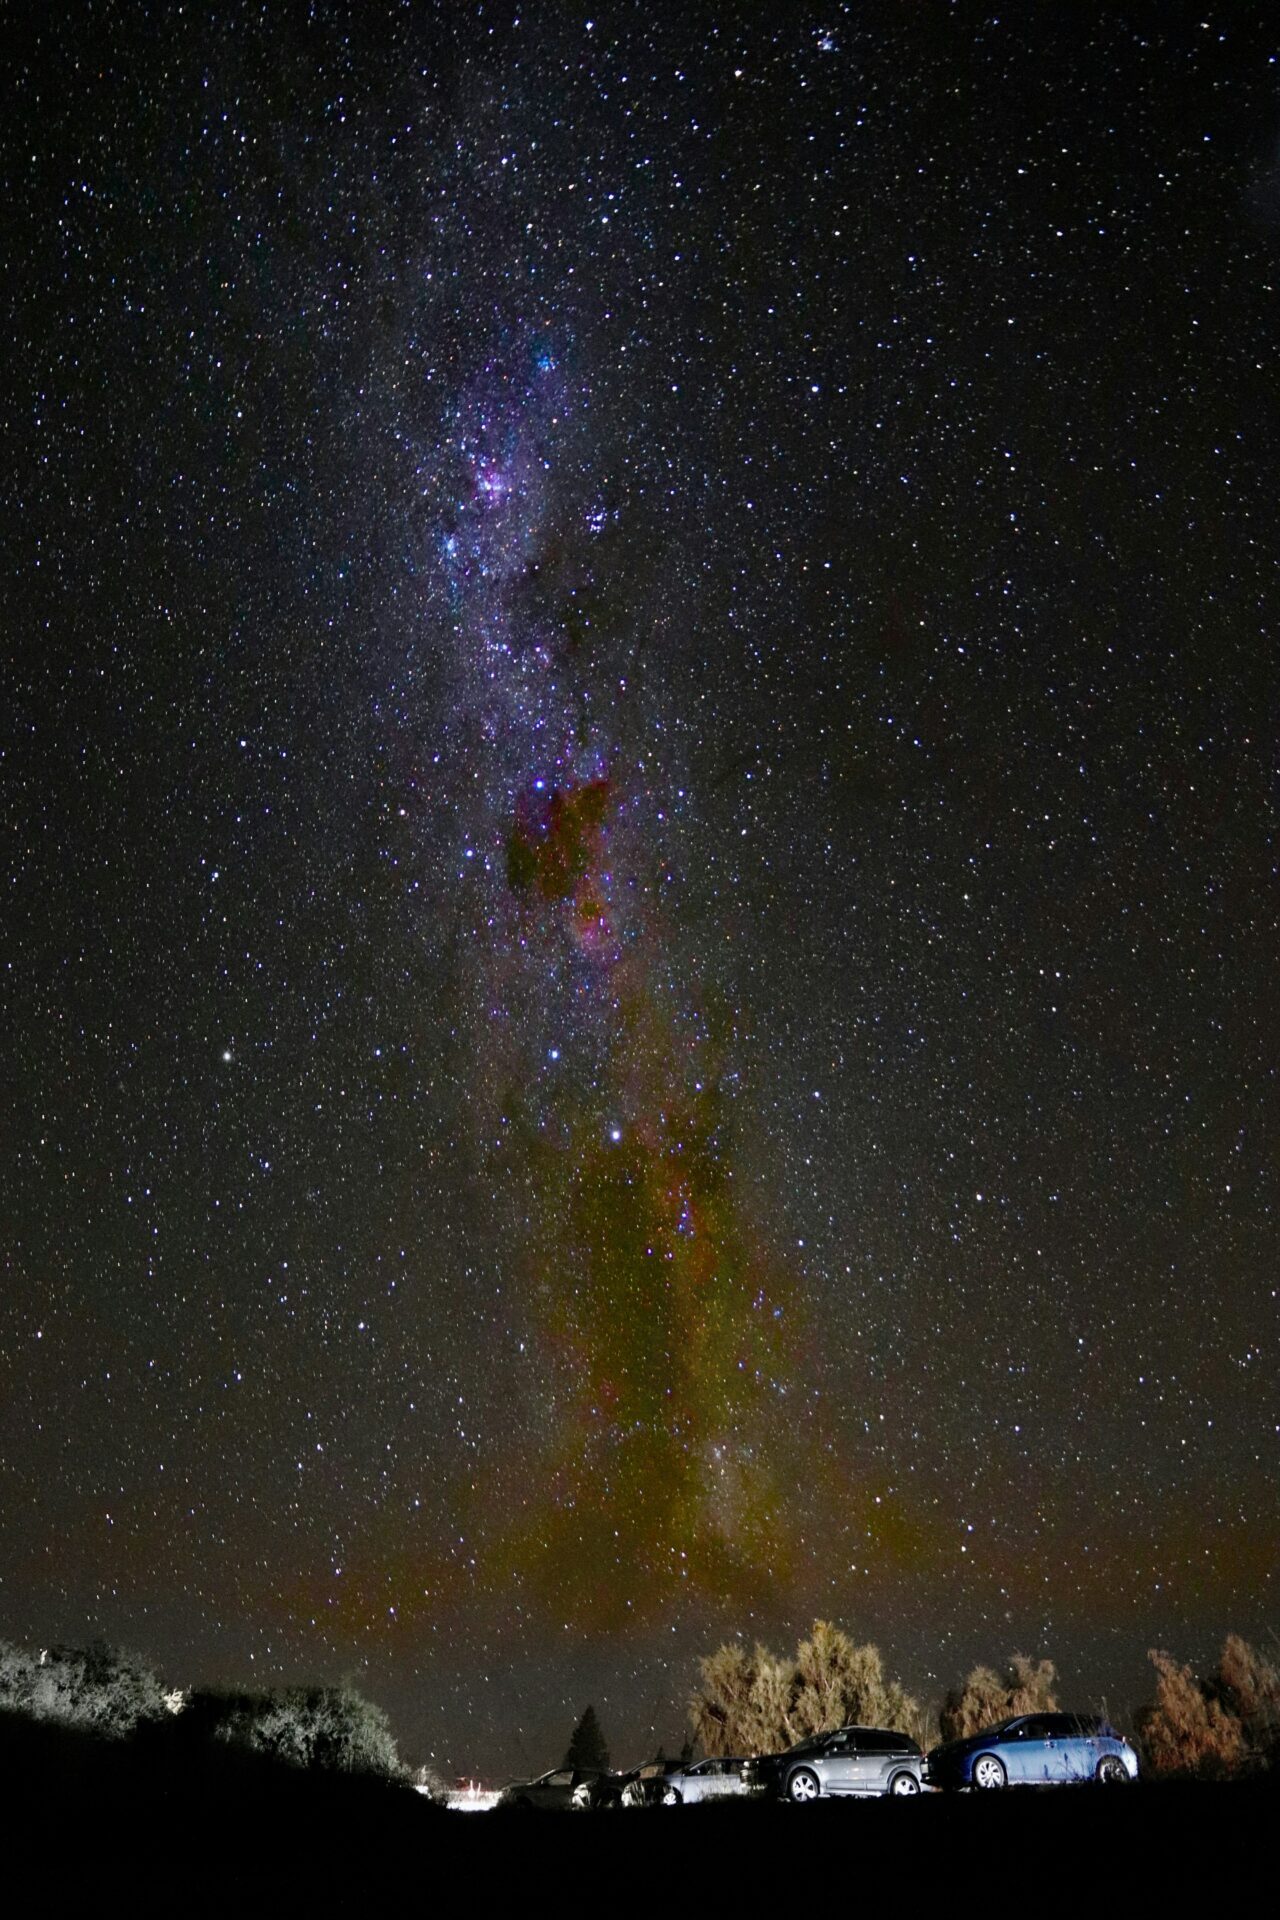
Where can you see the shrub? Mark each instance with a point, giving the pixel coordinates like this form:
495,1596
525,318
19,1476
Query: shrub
758,1702
1026,1686
95,1688
1217,1725
1248,1686
330,1728
1184,1730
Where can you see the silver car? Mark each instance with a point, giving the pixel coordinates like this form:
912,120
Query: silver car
674,1783
852,1760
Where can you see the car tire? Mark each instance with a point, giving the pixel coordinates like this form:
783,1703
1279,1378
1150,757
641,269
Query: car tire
904,1783
1112,1771
803,1786
988,1773
671,1798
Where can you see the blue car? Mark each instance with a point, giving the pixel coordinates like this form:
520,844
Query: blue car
1035,1749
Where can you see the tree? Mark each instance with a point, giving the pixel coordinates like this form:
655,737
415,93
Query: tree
1185,1730
587,1750
757,1702
1216,1725
1248,1686
95,1687
1025,1686
329,1728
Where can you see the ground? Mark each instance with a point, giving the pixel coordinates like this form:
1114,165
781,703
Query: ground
241,1839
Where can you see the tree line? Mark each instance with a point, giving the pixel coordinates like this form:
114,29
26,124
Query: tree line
751,1700
1219,1724
100,1690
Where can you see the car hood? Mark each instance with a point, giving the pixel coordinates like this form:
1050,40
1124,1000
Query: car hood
953,1749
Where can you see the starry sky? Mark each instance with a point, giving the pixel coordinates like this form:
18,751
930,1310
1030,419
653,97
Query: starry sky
639,872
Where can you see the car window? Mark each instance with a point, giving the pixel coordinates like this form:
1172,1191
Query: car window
1041,1728
703,1766
882,1740
563,1779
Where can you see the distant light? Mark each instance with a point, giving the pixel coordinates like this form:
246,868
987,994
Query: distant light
226,1056
615,1134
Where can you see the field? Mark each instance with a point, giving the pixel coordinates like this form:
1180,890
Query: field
230,1837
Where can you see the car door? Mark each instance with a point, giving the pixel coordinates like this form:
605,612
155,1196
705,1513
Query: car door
1078,1746
698,1783
556,1788
1039,1752
839,1764
880,1754
1015,1748
864,1764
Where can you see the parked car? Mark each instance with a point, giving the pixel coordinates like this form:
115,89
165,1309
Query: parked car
562,1788
1035,1749
674,1783
852,1760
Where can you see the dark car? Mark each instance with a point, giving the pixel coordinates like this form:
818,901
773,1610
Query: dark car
852,1760
563,1788
1035,1749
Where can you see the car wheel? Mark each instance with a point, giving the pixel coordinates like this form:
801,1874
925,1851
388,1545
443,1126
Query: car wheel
904,1783
1112,1771
670,1797
988,1772
803,1786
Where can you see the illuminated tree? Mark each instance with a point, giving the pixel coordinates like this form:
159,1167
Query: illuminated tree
96,1687
1025,1686
334,1729
758,1702
1184,1731
1228,1720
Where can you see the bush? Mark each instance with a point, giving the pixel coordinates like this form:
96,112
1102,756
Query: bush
1026,1686
329,1728
758,1702
95,1688
1218,1725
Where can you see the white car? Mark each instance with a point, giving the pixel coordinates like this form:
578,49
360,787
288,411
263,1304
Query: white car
675,1783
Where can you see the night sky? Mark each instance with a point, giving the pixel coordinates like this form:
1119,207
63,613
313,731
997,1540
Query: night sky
639,920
